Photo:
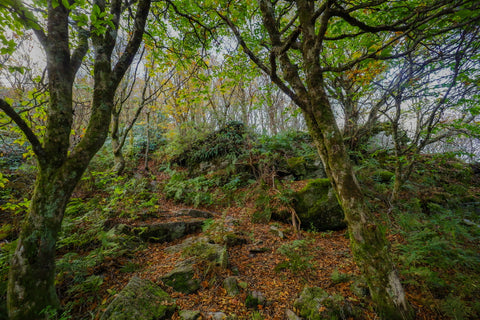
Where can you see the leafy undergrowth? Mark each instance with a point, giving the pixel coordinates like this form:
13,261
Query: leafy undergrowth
90,277
433,229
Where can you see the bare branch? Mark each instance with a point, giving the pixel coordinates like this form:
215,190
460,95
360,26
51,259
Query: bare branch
32,138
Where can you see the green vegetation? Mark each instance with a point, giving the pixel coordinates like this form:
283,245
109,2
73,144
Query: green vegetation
318,115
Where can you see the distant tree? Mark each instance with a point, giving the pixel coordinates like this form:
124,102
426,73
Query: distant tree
63,28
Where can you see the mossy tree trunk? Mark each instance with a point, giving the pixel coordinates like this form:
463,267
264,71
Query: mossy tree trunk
302,79
31,288
369,245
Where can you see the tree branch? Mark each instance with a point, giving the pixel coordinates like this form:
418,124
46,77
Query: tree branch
32,138
131,49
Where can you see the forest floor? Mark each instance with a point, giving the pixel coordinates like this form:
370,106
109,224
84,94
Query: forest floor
331,267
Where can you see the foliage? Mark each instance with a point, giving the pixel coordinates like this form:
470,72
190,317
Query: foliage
227,140
86,247
194,191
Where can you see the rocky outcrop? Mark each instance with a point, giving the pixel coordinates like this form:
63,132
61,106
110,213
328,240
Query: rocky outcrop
140,300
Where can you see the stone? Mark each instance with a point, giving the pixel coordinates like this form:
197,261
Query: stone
296,166
255,299
181,279
200,248
232,239
315,303
194,213
317,207
277,232
140,300
165,232
290,315
185,244
190,314
231,286
218,316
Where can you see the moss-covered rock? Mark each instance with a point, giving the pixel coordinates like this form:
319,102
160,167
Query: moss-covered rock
296,166
168,231
140,300
231,286
182,279
317,206
255,299
315,303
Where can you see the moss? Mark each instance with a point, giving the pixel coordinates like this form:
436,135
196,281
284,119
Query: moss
317,206
383,176
182,279
140,299
297,165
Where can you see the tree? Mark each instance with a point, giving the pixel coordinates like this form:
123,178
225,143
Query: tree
63,30
298,43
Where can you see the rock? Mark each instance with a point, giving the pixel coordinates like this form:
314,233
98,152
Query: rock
190,314
296,166
317,207
218,316
255,299
140,300
194,213
290,315
181,279
200,248
315,303
231,286
164,232
185,244
310,302
277,232
232,239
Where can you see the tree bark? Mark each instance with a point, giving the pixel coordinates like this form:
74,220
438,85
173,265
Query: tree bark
31,287
32,270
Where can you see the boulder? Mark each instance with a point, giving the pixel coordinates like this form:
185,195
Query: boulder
317,207
140,300
194,213
315,303
182,278
165,232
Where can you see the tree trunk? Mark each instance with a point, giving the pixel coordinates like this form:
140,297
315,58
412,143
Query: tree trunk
31,285
119,161
117,145
32,269
369,245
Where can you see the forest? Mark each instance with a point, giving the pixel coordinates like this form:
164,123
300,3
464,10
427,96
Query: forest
239,159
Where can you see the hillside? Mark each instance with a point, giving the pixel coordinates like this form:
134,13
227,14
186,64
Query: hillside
244,195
